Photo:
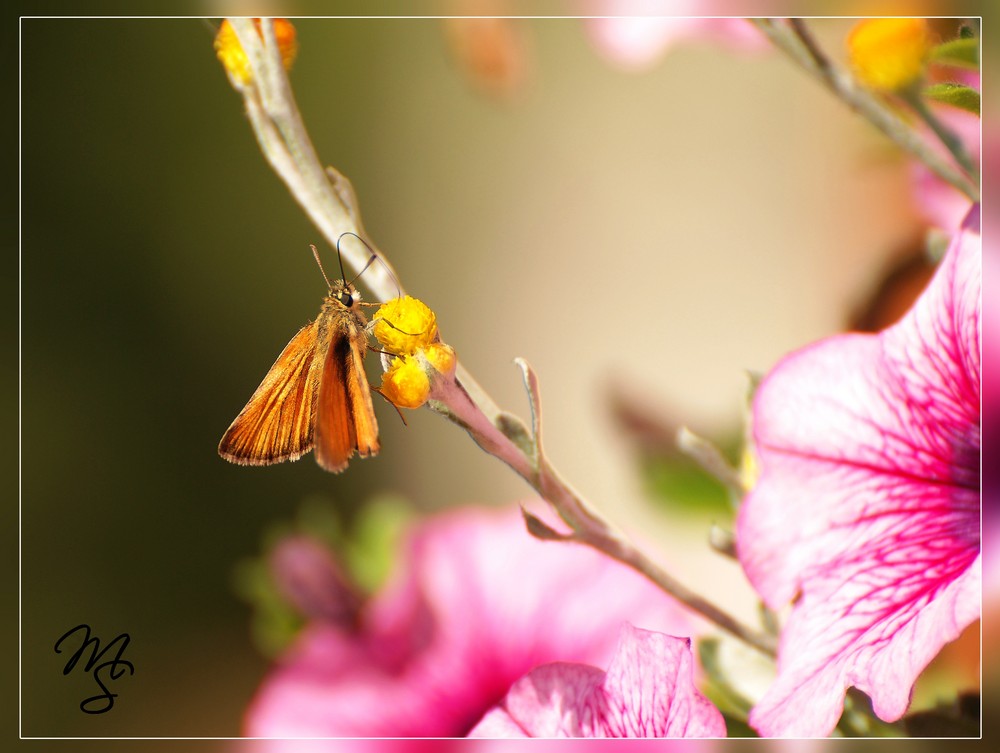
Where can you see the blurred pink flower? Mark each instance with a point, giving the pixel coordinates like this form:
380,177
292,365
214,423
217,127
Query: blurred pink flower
866,513
635,36
476,603
646,692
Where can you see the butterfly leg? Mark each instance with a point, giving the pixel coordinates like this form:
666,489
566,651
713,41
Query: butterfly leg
382,394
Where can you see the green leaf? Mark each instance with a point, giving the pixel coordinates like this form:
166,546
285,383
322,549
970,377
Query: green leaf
956,95
681,485
273,622
718,688
962,53
370,551
514,429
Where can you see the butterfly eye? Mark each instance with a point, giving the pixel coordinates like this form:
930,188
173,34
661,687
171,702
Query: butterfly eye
346,298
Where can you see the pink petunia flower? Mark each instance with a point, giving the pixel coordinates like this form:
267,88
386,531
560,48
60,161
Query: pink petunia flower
646,692
866,515
635,35
476,604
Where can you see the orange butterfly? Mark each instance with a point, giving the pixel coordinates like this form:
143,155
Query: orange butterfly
315,396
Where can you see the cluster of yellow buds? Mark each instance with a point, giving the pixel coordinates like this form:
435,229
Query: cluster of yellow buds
407,328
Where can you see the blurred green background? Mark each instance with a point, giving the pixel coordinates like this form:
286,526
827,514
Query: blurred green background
651,235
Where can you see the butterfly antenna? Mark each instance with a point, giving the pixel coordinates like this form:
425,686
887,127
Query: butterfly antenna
374,257
399,293
316,254
371,259
343,275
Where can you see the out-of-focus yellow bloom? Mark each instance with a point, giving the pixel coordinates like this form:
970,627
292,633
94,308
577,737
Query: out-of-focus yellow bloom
234,59
406,382
889,54
404,325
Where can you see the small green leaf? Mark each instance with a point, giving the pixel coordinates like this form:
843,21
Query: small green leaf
717,686
708,657
962,52
684,487
514,429
956,95
371,549
273,622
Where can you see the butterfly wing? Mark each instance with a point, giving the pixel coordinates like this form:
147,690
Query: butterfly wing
345,418
277,422
359,396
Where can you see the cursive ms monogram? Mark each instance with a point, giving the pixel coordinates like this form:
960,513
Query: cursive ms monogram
113,668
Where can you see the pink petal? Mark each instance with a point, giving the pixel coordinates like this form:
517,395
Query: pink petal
476,604
867,507
646,692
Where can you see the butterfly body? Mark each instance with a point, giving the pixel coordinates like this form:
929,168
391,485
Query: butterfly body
315,396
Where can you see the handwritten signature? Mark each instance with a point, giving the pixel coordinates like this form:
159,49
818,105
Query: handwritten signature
112,669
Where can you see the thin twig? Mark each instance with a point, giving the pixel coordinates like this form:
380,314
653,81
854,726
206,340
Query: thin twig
624,552
503,436
809,42
794,39
711,459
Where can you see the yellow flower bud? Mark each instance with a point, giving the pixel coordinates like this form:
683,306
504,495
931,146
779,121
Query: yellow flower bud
234,59
405,325
889,54
441,357
407,328
406,383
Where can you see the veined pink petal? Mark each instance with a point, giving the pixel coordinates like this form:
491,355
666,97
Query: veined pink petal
646,692
475,605
866,513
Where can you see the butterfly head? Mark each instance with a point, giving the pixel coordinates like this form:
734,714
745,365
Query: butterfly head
344,293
